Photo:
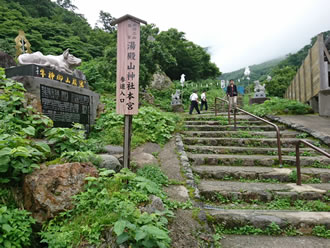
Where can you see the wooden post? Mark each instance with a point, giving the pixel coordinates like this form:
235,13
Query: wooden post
128,64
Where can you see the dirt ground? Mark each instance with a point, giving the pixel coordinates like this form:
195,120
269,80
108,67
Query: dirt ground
185,231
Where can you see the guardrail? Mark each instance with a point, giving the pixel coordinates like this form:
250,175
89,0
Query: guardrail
298,156
278,135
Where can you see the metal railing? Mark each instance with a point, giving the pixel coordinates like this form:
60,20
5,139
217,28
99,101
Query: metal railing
278,135
298,156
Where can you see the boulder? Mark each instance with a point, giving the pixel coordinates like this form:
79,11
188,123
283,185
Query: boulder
6,60
156,205
160,81
110,149
148,147
49,190
110,162
141,159
149,98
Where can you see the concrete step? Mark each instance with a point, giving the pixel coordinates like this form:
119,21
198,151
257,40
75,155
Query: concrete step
261,241
222,122
218,117
216,134
260,173
231,127
255,142
255,160
302,220
262,192
247,150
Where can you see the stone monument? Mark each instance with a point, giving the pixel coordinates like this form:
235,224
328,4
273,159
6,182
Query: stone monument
259,93
177,102
61,91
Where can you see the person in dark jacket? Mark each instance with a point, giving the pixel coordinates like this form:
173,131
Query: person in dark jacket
232,94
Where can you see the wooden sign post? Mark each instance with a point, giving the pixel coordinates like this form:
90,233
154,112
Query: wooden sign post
128,64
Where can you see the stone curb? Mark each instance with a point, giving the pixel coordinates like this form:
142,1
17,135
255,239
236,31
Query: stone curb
186,165
324,138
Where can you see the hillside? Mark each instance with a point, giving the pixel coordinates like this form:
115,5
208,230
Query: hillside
52,28
258,71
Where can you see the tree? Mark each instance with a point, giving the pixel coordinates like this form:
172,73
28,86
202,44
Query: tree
281,79
66,4
105,20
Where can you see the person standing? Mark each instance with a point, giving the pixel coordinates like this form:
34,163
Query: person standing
204,101
194,102
232,94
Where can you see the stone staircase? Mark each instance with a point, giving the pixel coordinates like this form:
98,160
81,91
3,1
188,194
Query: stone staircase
241,182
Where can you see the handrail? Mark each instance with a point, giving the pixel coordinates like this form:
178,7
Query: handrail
298,156
278,136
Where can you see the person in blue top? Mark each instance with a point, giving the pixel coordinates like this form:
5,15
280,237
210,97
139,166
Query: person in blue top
232,94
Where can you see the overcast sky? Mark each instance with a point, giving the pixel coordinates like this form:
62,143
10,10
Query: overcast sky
238,32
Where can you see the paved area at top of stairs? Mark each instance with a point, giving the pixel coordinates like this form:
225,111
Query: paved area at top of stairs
313,122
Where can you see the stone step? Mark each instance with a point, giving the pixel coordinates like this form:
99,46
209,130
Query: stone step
221,117
230,127
262,241
254,160
262,192
219,122
255,142
260,173
239,133
247,150
302,220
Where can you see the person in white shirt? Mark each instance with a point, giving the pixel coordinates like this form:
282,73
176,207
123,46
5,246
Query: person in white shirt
204,102
194,102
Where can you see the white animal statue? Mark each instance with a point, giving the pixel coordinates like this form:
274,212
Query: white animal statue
182,79
176,98
64,63
259,89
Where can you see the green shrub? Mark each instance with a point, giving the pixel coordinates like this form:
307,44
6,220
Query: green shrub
154,174
150,124
82,157
19,156
279,106
15,227
67,139
111,204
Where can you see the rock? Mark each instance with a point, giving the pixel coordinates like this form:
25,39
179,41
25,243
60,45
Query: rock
151,148
110,162
160,81
155,205
32,100
110,149
263,221
149,98
143,158
100,109
6,60
178,108
49,191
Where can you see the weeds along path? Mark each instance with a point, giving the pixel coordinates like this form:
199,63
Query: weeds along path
242,186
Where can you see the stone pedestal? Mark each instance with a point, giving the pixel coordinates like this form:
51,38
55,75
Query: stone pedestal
63,98
177,108
258,100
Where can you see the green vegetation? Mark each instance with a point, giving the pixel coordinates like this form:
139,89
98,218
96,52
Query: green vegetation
111,204
278,106
150,124
278,203
321,231
15,227
271,229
